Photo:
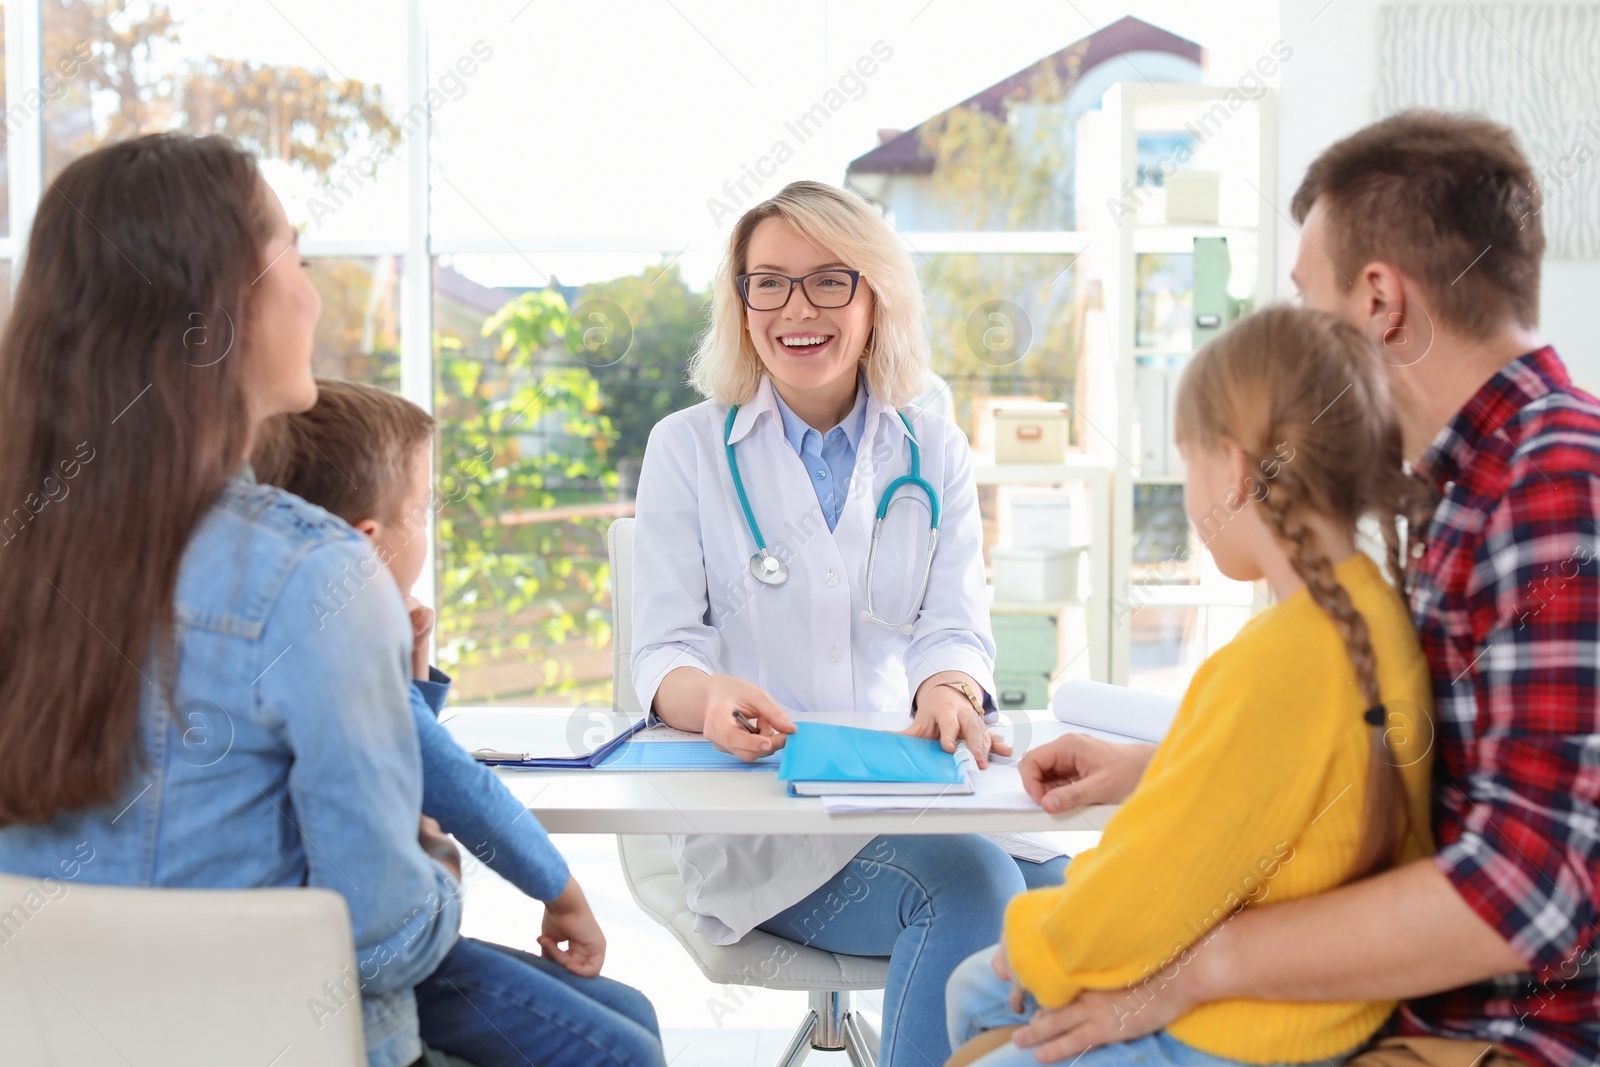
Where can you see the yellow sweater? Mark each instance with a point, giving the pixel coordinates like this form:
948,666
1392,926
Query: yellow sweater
1255,797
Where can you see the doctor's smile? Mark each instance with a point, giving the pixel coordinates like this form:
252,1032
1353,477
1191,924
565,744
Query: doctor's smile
804,344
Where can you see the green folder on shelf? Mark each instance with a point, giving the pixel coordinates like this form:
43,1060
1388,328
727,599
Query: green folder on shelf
821,759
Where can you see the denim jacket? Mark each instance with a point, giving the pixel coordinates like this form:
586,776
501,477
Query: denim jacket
286,755
476,807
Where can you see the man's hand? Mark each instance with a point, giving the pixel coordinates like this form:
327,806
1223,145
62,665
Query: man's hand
1077,770
943,713
568,920
725,695
422,618
1098,1017
438,844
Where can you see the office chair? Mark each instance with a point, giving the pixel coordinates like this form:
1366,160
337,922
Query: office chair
759,959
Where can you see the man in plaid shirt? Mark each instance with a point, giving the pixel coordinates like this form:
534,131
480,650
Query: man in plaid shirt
1424,230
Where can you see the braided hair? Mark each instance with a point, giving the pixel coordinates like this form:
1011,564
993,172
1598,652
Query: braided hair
1288,375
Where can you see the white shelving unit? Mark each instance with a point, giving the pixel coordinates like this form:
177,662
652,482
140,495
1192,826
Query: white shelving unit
1094,474
1235,137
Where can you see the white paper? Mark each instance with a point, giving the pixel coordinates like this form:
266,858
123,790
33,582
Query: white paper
1035,848
999,788
1037,729
1115,709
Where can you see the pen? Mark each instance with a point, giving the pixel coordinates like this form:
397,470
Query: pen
745,721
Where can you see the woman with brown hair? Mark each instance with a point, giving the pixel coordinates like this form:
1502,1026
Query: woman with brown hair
178,706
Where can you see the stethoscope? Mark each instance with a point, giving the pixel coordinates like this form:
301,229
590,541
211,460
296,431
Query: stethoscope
770,570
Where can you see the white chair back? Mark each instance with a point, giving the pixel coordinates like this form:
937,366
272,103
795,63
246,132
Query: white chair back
619,545
106,976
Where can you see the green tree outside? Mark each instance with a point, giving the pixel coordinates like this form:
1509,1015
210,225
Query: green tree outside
523,433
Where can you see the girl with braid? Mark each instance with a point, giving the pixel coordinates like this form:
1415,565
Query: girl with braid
1299,757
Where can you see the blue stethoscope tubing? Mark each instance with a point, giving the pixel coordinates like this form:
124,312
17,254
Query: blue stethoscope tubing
770,570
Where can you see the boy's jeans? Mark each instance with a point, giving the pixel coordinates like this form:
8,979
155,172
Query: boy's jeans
977,1000
496,1006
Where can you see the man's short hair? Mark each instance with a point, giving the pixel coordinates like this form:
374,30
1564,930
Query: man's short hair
1449,200
349,455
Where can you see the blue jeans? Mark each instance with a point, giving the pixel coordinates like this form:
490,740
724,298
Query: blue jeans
926,902
977,1000
498,1007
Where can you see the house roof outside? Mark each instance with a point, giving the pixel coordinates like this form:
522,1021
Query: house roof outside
904,153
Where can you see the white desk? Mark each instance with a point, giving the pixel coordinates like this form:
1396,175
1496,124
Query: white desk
755,802
736,802
740,801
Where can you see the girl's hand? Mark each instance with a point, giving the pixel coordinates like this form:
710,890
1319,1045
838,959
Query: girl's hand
943,713
724,696
1002,970
1077,770
422,618
568,920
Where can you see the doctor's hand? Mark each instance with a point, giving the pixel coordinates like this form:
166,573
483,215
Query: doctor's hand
944,714
724,696
1077,770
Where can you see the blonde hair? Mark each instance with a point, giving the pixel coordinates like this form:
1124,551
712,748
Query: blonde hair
1304,378
725,366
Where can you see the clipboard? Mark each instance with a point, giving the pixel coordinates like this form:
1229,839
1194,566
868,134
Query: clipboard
541,738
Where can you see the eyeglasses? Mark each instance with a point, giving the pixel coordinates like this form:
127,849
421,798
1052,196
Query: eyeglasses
824,288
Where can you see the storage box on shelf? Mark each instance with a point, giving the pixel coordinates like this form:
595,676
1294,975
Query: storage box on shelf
1054,538
1041,520
1028,650
1030,433
1036,574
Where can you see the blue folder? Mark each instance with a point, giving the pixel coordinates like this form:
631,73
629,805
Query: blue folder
821,759
677,756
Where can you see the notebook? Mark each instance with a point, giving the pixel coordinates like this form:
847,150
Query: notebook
822,759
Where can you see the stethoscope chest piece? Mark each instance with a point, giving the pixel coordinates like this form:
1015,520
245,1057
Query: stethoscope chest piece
768,569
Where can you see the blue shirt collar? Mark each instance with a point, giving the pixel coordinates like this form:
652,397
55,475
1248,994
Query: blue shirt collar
795,428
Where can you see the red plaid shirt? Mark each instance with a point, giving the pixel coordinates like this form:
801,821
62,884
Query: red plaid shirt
1507,603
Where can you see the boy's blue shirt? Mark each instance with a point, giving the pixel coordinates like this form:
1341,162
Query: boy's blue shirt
470,803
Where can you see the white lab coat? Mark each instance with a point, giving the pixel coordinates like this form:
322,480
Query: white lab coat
696,604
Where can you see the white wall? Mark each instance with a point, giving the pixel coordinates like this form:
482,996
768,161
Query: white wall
1329,89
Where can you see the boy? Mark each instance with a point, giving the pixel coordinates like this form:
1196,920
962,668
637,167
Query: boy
365,455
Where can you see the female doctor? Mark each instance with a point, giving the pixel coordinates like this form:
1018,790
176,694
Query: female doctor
757,589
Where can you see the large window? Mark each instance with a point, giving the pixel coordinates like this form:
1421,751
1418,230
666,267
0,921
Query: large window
514,212
569,261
